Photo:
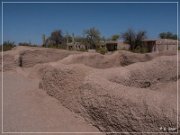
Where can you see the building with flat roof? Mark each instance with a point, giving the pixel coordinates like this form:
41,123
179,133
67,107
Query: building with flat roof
116,45
159,45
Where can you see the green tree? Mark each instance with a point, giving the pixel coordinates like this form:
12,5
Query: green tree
92,37
141,35
57,37
134,39
167,35
115,37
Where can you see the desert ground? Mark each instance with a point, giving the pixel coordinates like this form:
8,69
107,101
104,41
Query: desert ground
53,90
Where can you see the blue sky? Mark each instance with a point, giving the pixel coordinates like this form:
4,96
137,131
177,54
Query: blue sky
27,22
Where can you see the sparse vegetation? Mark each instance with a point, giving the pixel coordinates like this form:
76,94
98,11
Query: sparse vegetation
92,37
115,37
7,45
82,50
27,44
56,40
56,46
168,35
101,50
134,39
140,50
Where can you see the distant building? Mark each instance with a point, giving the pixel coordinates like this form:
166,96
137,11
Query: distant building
160,45
116,45
152,45
75,46
49,42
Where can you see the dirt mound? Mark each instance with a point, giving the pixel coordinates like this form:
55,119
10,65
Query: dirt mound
116,106
119,92
145,74
31,58
26,108
97,60
90,59
63,82
119,58
9,62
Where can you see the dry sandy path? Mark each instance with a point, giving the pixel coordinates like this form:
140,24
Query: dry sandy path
29,109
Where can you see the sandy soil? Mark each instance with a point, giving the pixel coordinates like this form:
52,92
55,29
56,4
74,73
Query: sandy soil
58,90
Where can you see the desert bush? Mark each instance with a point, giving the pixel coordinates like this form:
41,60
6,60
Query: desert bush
92,37
115,37
62,46
27,44
134,39
56,40
24,44
102,50
167,35
51,46
34,46
82,49
7,45
141,50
